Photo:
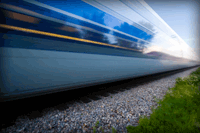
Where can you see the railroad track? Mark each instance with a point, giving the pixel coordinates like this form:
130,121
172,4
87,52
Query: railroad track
42,105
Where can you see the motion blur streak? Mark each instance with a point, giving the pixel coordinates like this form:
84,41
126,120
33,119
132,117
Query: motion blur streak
54,35
21,17
70,29
19,9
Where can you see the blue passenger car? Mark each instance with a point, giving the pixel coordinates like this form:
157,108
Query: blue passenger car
55,45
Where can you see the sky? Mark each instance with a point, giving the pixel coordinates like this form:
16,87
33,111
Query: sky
182,16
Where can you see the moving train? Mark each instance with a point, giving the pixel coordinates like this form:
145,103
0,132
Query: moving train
57,45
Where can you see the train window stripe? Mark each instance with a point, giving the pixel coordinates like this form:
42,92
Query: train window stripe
42,27
89,29
78,17
117,15
25,11
59,36
64,12
130,5
135,8
144,4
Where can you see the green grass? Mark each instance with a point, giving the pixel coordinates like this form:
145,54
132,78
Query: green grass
178,111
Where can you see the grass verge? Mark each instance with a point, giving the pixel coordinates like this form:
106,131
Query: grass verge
178,111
